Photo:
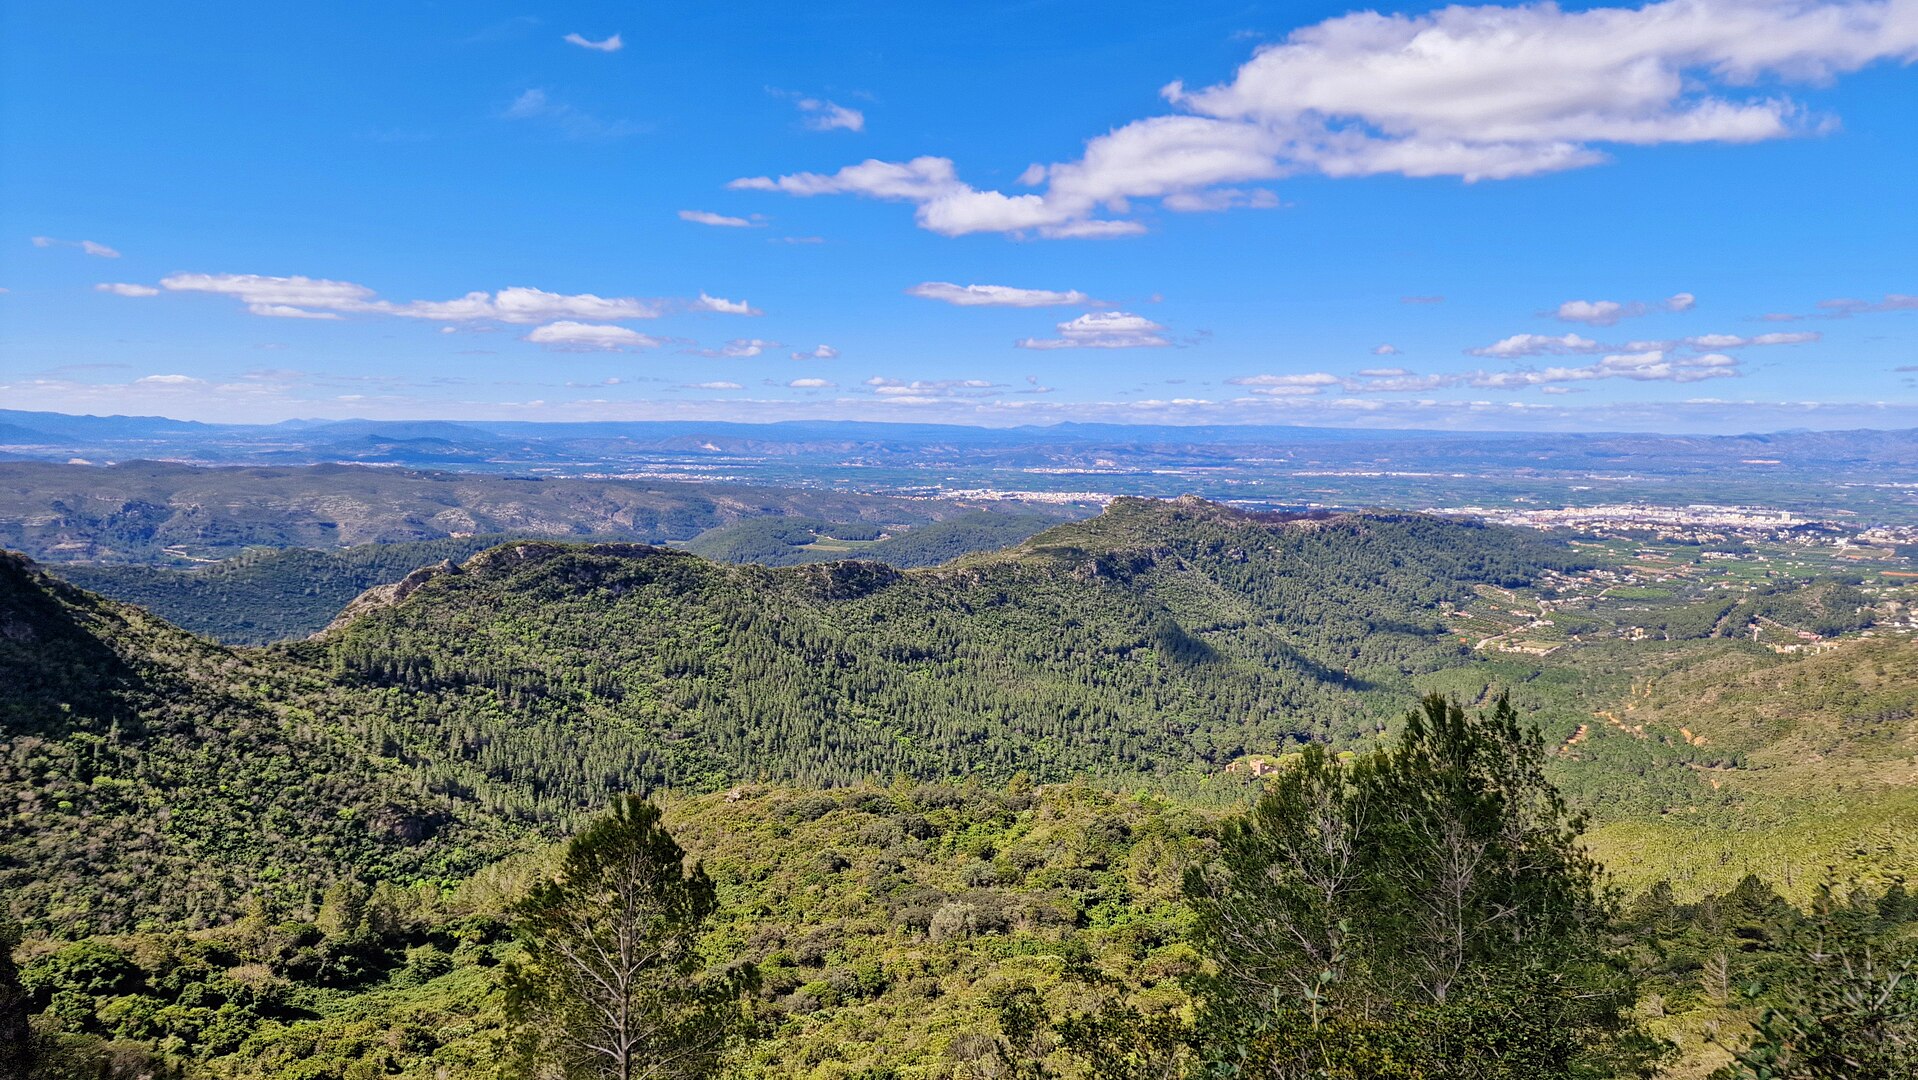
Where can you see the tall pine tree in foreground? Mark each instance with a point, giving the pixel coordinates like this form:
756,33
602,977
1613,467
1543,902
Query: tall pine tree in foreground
1421,912
613,986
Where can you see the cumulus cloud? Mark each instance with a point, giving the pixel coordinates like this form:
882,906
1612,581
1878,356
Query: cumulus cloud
723,306
579,336
707,217
1650,366
121,288
1481,92
818,352
605,45
168,380
1520,345
898,390
89,247
1103,330
995,295
821,115
1607,312
811,384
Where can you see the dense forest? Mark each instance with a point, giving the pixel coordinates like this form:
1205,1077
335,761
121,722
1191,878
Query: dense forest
267,595
936,805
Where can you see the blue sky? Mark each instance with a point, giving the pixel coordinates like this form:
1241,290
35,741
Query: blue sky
1697,215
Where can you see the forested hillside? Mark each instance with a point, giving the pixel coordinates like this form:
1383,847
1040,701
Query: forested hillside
156,777
536,680
303,857
267,595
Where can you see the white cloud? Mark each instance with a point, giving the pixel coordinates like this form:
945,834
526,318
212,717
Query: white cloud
287,311
1607,312
1891,302
1536,345
707,217
584,336
720,385
739,349
121,288
168,380
1301,385
829,116
605,45
570,121
1386,350
1476,92
90,247
995,295
919,180
818,352
1217,199
521,304
723,306
1654,365
810,384
263,295
920,391
1597,312
1103,330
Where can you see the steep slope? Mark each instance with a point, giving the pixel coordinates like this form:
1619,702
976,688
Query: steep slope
1156,639
154,776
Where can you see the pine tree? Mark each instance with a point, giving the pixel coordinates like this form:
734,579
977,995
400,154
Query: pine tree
614,986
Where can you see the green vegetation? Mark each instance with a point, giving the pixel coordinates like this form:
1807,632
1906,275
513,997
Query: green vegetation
791,541
1422,912
266,595
946,812
611,985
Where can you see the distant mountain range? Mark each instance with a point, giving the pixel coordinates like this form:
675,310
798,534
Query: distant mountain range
1865,474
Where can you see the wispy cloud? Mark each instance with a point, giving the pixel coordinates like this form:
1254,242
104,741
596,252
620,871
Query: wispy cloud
995,295
90,247
723,306
1891,302
738,349
536,105
707,217
820,115
121,288
818,352
606,45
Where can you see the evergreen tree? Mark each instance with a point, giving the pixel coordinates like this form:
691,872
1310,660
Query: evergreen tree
1421,912
614,986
